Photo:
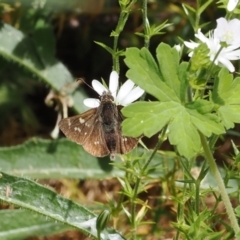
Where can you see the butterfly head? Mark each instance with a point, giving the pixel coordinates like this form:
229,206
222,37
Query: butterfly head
106,97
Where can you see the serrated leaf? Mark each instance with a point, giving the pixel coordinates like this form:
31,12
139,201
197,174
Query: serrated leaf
32,196
13,227
201,105
168,59
39,158
226,96
147,117
206,123
183,134
144,71
229,115
26,52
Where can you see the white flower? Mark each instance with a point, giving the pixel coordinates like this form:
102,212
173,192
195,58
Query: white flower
126,94
223,57
232,5
178,47
228,31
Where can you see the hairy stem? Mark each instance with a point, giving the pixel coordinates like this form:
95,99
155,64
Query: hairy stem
221,186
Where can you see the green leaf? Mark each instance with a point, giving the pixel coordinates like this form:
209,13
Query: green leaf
154,29
13,227
201,105
183,134
39,158
206,123
168,59
30,54
30,195
204,6
147,117
144,71
237,210
182,74
108,49
190,12
44,41
227,98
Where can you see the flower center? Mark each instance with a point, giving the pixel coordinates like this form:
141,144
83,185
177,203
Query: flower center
228,37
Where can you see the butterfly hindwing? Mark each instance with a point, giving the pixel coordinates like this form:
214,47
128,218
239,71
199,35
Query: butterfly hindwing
96,144
126,144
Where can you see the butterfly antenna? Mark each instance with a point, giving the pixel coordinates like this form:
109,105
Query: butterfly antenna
82,80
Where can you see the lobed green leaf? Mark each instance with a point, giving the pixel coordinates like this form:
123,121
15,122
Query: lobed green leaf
227,98
144,71
168,59
147,118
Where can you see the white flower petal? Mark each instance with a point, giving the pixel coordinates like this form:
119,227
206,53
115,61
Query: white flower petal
201,36
191,44
190,54
231,55
227,64
231,5
125,89
91,102
132,96
98,87
113,83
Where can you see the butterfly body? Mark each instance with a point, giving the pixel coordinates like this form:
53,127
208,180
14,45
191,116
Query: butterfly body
98,130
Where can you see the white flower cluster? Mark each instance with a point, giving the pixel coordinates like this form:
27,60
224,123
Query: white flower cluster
127,94
223,43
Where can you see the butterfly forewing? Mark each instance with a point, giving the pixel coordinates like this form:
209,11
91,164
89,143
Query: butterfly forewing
79,128
85,129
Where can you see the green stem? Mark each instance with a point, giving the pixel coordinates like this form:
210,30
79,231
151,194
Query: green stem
221,187
161,139
135,193
121,22
115,57
125,11
145,24
133,207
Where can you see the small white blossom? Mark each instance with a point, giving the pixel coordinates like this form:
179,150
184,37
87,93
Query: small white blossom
232,5
127,93
178,47
228,31
225,32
